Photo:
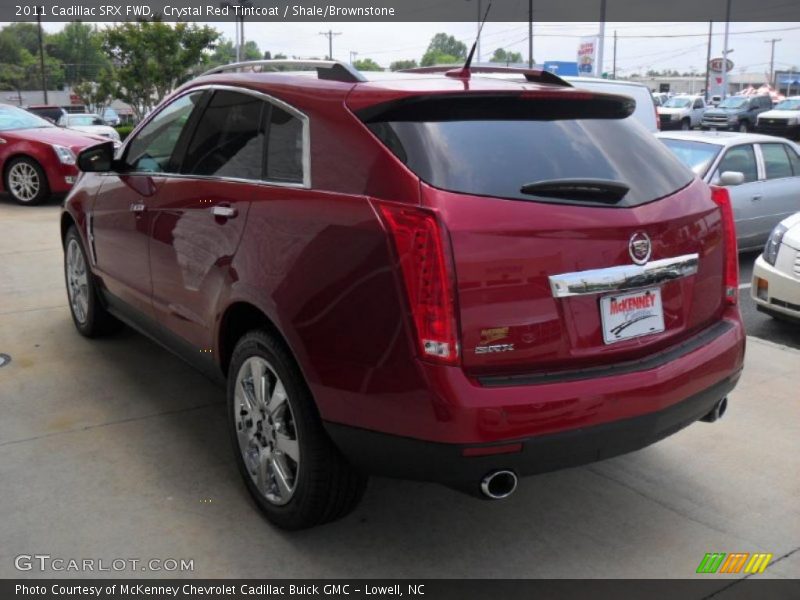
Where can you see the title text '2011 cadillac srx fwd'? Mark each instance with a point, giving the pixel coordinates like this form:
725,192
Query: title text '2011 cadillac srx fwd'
440,277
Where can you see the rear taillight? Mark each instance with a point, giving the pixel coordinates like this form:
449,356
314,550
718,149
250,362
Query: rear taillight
731,276
423,251
658,117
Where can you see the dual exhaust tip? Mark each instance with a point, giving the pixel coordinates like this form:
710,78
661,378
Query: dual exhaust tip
500,484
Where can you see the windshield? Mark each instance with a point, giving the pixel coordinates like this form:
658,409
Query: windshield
84,120
695,155
677,103
12,117
733,102
793,104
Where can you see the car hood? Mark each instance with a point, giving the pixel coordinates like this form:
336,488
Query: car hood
671,111
792,237
94,129
723,111
780,114
74,140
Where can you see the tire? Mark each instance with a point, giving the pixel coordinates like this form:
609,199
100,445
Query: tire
295,474
686,125
89,315
26,182
743,127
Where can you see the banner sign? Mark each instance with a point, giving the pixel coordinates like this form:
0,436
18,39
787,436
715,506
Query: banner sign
587,54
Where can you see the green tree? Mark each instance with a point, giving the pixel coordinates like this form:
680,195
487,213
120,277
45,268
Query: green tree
367,64
98,94
151,58
436,58
399,65
79,48
502,56
444,50
251,51
19,60
224,53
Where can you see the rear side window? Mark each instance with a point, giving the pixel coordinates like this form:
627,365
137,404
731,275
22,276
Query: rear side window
741,159
497,156
795,160
776,161
285,147
230,138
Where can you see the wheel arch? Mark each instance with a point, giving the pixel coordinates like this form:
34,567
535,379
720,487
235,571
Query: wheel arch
67,221
10,159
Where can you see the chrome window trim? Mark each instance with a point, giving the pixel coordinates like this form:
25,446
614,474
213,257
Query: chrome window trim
623,278
306,154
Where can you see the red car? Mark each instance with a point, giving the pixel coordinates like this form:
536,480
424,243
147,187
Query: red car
446,278
37,158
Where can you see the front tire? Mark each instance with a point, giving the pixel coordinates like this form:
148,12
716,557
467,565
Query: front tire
291,468
26,181
90,317
686,125
744,127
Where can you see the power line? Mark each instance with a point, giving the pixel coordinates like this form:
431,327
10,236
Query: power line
329,34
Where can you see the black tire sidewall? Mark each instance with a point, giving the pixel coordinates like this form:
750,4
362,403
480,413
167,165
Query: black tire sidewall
44,186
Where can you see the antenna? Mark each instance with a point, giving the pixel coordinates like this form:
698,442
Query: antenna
463,72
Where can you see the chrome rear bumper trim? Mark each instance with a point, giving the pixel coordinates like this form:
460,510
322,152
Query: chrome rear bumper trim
623,278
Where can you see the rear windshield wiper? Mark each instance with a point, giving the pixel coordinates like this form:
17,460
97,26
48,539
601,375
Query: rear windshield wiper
599,190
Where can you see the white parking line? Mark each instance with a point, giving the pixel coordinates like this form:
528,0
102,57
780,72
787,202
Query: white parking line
745,286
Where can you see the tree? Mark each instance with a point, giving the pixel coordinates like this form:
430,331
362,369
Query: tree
444,50
502,56
399,65
151,58
367,64
19,60
80,48
98,94
251,51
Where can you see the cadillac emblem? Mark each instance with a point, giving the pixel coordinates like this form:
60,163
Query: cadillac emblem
640,248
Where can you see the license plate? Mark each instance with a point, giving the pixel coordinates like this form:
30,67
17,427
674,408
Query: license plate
632,315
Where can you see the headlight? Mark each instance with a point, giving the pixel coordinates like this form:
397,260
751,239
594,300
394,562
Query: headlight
774,243
792,121
65,155
675,117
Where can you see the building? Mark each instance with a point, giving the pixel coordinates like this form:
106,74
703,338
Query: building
696,84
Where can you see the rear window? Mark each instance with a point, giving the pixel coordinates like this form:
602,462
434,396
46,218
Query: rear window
497,157
698,156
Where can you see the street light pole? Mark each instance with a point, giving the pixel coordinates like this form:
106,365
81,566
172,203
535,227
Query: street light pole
725,50
330,33
41,57
530,34
772,60
602,36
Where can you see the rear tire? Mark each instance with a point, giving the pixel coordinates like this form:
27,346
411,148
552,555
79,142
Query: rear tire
89,315
26,181
291,468
744,127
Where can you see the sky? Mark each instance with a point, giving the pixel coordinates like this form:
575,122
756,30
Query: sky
640,46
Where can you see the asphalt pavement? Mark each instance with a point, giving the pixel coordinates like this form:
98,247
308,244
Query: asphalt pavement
758,324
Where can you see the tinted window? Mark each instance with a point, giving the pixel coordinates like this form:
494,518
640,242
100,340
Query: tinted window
153,147
695,155
698,104
741,159
285,147
498,157
776,161
229,139
794,159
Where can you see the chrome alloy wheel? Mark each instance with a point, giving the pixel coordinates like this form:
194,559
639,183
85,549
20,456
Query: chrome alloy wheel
77,282
265,428
23,181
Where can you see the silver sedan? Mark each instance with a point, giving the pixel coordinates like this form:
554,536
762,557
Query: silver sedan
761,173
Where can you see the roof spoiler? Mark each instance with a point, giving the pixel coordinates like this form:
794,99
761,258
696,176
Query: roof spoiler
530,75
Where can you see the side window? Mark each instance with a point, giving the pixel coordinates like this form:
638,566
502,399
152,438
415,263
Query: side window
776,161
285,147
794,159
741,159
698,103
230,137
153,147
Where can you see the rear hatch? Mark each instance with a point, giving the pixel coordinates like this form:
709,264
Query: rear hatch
545,203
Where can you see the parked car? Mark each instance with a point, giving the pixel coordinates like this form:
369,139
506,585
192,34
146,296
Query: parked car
441,277
736,113
776,274
761,173
645,111
682,112
54,114
90,123
37,158
111,117
659,98
783,120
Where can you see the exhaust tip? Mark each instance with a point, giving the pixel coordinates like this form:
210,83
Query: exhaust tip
717,412
499,484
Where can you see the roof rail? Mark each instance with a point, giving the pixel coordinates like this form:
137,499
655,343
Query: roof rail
531,75
332,70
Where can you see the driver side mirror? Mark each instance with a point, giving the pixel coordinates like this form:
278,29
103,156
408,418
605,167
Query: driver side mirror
97,159
731,178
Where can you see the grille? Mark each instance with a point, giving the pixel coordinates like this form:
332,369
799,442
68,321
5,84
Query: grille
716,118
797,263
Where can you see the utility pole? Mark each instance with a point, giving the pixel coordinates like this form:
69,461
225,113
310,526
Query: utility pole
530,34
708,59
41,57
725,50
772,60
614,66
602,36
329,34
353,55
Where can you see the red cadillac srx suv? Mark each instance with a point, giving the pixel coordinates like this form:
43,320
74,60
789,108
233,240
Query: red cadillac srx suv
441,277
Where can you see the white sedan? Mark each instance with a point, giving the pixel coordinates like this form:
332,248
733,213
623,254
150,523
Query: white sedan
776,275
89,123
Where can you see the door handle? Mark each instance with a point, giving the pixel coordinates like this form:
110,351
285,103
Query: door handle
757,197
138,208
225,212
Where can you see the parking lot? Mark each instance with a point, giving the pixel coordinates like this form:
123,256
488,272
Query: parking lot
116,449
